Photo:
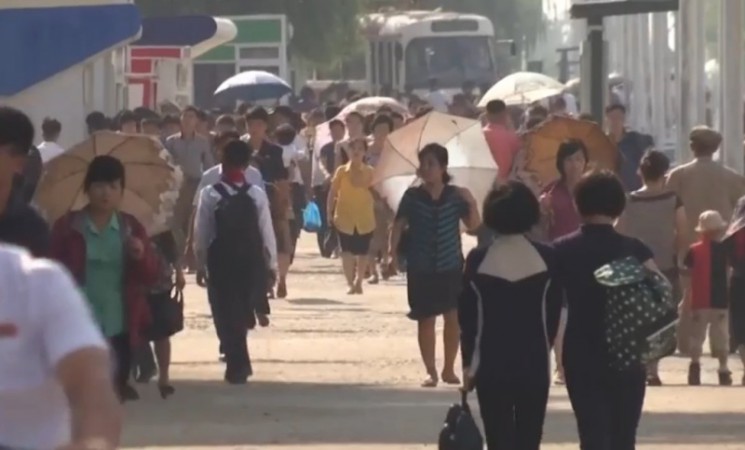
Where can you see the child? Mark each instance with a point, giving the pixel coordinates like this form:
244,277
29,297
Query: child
706,296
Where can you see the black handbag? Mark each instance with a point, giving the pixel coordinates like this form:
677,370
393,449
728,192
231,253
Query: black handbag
460,432
175,311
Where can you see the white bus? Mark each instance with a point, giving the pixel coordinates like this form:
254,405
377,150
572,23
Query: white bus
407,48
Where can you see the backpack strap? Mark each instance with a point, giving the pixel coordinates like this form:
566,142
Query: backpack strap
220,188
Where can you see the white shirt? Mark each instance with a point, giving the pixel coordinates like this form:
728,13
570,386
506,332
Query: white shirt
41,301
49,149
204,222
438,101
292,155
213,175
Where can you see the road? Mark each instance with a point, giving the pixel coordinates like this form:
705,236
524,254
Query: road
342,372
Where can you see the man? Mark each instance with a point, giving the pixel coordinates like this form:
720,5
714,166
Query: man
49,148
127,122
504,143
236,254
702,185
58,392
268,156
151,126
224,123
436,98
20,224
323,170
631,146
96,121
193,153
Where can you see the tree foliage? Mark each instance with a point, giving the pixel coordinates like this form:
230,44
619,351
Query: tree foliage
324,31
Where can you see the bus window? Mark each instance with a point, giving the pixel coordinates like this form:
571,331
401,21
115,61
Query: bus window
451,59
373,70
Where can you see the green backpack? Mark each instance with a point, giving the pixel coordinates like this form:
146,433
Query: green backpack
640,313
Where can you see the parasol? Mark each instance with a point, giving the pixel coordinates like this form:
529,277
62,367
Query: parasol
470,161
522,88
364,106
251,86
537,160
152,182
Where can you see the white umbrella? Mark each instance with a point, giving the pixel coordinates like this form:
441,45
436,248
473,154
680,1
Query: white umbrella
251,86
364,106
469,160
522,88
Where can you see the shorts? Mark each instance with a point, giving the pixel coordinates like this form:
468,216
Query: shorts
356,244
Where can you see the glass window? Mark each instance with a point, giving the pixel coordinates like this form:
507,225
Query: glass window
258,53
451,60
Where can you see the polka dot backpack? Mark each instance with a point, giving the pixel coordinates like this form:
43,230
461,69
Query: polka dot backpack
640,313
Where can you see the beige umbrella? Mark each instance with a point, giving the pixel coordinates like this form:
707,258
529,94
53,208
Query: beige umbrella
470,161
364,106
152,181
522,88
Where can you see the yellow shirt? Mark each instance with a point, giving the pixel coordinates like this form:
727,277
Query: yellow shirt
354,209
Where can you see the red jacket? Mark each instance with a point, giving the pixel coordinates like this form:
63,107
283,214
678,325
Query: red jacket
68,247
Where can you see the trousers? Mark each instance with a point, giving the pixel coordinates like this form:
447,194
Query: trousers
121,350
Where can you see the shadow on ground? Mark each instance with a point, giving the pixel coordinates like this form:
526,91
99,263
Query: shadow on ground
210,413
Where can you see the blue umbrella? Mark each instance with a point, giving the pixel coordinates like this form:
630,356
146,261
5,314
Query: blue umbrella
251,86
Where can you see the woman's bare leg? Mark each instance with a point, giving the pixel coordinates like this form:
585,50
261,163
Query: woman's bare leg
361,269
163,357
451,342
283,263
427,344
348,266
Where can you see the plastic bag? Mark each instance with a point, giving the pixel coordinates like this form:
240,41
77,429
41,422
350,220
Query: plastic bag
312,218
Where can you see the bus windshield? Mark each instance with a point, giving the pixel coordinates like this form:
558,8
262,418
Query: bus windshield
450,59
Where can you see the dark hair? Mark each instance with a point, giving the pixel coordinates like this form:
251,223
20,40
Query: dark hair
104,169
397,115
357,115
337,123
171,120
225,136
511,208
191,108
567,149
654,165
538,111
96,121
50,128
126,116
236,155
257,113
496,107
382,119
440,153
615,107
154,121
331,111
285,134
16,130
225,119
600,193
587,116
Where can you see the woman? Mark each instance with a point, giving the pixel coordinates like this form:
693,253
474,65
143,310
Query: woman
381,128
607,402
350,208
509,313
109,255
433,212
355,124
656,216
560,216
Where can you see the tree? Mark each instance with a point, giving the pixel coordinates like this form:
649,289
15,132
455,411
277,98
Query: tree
325,31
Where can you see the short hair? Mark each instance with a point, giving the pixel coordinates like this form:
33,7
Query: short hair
126,116
236,154
257,113
511,208
654,165
567,149
96,121
337,123
440,154
225,136
104,169
496,107
16,130
50,127
537,111
382,119
615,107
600,193
331,111
151,121
285,134
192,109
225,119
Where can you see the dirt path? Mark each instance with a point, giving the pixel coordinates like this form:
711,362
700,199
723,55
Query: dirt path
340,372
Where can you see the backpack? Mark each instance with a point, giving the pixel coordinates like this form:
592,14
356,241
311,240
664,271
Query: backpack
460,432
238,248
640,313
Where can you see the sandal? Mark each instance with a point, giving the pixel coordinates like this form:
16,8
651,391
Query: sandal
282,290
431,380
166,390
450,378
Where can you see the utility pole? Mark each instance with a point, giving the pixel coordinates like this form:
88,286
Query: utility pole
730,68
565,64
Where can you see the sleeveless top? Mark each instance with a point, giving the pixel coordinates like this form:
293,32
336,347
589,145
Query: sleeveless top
651,219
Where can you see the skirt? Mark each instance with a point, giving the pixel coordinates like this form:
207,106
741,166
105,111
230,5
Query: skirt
356,244
433,294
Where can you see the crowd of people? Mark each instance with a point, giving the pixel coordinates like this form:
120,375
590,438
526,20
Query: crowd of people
529,288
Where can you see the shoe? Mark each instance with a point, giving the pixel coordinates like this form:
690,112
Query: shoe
127,393
725,378
694,374
654,380
166,390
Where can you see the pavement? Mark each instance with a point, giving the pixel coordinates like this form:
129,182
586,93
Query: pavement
335,371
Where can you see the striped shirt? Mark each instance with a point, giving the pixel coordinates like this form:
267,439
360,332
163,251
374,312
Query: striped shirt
434,243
